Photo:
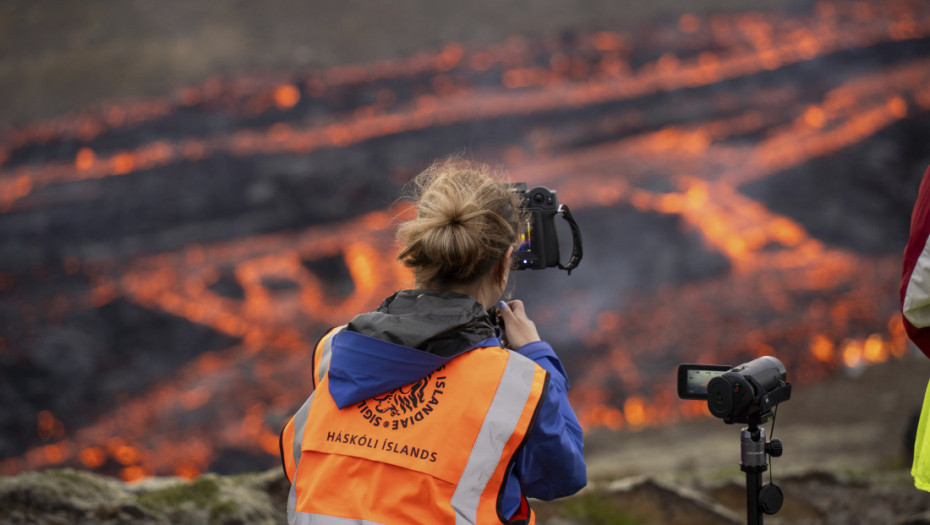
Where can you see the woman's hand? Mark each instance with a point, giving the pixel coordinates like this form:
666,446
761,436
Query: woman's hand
519,330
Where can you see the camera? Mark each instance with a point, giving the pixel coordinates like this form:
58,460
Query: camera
747,393
743,394
539,241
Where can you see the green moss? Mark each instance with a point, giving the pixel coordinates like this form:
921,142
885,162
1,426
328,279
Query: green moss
79,478
74,496
222,510
59,489
214,496
202,492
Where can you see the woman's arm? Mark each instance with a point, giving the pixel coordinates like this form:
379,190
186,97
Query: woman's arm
551,464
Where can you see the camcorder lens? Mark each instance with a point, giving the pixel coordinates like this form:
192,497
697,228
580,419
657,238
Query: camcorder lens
719,398
729,395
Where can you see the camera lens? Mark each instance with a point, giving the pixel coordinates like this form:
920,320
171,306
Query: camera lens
729,395
719,397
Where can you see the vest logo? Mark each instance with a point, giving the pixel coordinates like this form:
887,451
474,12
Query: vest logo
405,406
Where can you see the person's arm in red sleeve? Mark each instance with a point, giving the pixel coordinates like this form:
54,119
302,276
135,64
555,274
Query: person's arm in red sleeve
915,276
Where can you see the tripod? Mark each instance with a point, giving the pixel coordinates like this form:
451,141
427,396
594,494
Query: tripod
760,499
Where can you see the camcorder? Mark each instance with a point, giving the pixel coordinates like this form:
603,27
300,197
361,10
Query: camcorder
747,393
743,394
539,240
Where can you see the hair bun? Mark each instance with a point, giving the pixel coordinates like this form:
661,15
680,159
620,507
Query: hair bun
465,221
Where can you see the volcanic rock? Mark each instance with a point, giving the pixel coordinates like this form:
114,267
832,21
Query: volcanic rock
72,496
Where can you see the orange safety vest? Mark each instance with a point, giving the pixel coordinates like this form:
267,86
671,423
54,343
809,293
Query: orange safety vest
435,451
322,353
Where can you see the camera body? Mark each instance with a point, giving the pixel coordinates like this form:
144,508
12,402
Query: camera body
539,240
743,394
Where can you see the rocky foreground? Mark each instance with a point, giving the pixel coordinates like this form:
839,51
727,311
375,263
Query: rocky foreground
71,496
845,463
815,497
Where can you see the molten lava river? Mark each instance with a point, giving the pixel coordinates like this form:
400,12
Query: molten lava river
743,183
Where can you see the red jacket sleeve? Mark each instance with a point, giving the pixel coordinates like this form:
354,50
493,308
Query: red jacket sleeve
915,275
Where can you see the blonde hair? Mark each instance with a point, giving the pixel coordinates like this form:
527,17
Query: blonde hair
466,219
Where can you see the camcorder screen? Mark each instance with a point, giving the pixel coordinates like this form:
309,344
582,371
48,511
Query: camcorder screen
693,379
526,237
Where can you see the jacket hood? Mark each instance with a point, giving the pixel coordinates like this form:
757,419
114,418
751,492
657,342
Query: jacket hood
410,335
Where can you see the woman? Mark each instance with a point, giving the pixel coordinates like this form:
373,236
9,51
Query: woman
421,413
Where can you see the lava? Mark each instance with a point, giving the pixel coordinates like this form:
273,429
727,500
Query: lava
592,122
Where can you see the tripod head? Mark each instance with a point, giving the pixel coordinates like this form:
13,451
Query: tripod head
754,453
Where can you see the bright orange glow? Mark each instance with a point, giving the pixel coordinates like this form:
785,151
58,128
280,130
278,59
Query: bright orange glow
898,107
634,411
186,471
601,416
126,455
123,163
55,453
132,473
786,232
92,457
852,354
268,441
898,342
814,117
822,348
874,349
84,160
286,96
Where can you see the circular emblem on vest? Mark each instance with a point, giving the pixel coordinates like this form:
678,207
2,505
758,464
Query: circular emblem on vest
404,407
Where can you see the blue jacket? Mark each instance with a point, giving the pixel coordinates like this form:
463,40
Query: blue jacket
413,333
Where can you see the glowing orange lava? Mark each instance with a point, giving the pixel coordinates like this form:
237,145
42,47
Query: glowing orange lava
804,294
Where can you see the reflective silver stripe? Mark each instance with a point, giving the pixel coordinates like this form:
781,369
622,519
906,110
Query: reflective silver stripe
916,306
499,425
326,353
300,423
304,518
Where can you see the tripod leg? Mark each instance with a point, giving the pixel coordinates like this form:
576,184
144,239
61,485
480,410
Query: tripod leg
753,487
753,463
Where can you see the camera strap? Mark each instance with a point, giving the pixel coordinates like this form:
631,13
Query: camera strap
576,240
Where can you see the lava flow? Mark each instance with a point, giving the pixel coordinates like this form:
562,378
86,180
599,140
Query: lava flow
164,281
